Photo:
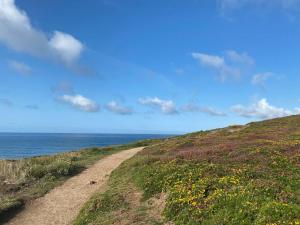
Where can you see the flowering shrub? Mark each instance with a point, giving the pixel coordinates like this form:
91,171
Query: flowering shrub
243,177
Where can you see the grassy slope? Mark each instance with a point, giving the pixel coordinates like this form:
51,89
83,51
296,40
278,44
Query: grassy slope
236,175
24,180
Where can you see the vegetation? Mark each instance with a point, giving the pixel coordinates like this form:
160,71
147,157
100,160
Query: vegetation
239,175
26,179
121,203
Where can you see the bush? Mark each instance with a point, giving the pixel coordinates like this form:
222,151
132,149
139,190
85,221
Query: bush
57,168
61,168
205,193
10,204
279,213
36,171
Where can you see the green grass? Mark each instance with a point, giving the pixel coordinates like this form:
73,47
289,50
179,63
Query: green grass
27,179
240,175
121,202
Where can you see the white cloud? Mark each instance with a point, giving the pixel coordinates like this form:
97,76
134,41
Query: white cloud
66,47
190,108
296,111
261,78
166,106
20,67
242,58
224,69
118,109
207,110
209,60
81,103
231,5
212,111
263,110
17,32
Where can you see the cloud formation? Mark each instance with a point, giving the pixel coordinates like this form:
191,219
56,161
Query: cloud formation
166,106
17,32
207,110
81,103
230,68
263,110
20,67
66,47
261,78
118,109
242,58
209,60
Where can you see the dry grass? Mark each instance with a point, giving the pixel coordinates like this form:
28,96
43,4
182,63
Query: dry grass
12,171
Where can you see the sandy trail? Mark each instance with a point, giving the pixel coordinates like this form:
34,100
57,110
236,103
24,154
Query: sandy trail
62,204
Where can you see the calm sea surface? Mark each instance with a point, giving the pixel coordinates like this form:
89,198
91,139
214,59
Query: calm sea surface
20,145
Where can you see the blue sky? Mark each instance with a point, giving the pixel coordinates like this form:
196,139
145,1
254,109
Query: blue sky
146,66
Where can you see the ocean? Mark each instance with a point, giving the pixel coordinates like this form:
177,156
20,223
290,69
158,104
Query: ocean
23,145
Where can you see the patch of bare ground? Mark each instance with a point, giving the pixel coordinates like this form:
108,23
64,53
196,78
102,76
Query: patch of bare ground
61,205
156,206
141,212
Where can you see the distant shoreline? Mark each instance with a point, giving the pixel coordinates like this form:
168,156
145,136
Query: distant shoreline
25,145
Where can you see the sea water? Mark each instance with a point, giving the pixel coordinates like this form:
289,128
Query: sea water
23,145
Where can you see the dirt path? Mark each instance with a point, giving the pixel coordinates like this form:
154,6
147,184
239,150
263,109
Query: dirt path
61,205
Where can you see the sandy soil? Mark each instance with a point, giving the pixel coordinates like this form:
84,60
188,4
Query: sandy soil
61,205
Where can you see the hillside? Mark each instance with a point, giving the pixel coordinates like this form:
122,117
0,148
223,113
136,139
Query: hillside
236,175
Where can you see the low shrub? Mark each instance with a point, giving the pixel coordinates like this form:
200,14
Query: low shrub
58,168
10,203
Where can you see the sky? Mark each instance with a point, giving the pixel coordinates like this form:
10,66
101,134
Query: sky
133,66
